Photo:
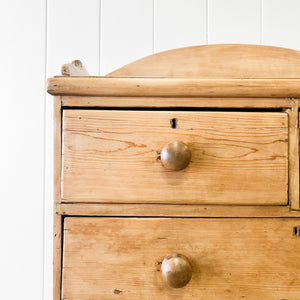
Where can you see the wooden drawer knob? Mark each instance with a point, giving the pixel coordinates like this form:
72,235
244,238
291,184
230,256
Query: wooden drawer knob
176,270
175,156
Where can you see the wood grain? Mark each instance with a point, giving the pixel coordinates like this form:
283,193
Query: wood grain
110,258
113,156
218,61
244,171
174,87
57,219
173,102
178,210
294,156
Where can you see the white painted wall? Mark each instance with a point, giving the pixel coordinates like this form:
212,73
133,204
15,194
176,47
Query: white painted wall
37,37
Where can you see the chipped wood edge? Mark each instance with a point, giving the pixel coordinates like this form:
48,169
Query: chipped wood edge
57,219
75,68
174,210
294,155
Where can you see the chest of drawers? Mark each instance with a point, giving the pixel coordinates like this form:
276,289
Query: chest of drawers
177,177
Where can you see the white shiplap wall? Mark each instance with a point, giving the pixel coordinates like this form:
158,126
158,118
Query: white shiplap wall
22,81
37,37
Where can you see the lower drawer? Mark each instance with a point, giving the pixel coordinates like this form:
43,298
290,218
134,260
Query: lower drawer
121,258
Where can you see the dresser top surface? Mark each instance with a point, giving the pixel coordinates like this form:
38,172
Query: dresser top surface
200,71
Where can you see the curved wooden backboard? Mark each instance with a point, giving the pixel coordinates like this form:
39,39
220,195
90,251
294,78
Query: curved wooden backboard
217,61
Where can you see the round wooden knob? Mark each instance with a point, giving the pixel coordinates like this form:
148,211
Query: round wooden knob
175,156
176,270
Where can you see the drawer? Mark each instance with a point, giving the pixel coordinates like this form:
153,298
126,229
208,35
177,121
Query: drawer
113,156
121,258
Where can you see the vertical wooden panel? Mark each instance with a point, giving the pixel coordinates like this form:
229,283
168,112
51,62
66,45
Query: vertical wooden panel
281,23
22,75
57,220
179,23
294,155
73,33
234,21
126,32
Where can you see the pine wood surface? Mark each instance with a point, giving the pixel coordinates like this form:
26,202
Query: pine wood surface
294,156
177,210
106,164
113,156
217,61
173,102
111,258
57,219
174,87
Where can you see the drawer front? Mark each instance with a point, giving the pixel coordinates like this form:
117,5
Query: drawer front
115,156
107,258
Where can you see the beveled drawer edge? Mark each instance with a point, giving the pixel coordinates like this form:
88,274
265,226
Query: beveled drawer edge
174,210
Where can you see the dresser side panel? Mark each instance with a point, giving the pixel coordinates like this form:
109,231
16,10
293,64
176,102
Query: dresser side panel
57,219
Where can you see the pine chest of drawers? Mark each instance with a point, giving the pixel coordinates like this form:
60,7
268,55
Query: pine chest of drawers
177,177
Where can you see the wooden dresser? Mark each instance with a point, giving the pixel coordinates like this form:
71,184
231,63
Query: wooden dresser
177,177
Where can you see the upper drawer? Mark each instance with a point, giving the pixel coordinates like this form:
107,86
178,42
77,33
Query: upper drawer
114,156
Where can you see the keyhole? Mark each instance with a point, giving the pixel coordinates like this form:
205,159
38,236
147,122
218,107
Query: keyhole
173,123
296,231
